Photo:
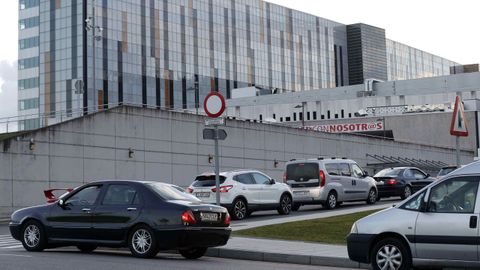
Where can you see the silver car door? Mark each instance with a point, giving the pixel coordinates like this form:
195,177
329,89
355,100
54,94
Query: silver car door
448,229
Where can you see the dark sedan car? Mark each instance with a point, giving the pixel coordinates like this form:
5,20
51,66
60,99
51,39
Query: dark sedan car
401,181
146,217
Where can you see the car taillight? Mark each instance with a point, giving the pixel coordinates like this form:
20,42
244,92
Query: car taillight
285,177
227,219
188,218
190,190
223,189
322,178
391,182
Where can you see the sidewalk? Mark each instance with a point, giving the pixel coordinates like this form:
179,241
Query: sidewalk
285,252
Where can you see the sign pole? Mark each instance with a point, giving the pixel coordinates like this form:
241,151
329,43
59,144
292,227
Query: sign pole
217,167
457,150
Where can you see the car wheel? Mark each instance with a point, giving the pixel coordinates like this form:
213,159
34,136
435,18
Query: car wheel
407,192
285,206
331,202
33,236
392,254
295,207
87,248
239,209
193,253
372,196
142,242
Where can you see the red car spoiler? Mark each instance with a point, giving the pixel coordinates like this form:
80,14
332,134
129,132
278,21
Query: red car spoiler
51,197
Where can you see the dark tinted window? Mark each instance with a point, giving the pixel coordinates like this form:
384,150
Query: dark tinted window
207,180
244,178
169,193
120,195
332,169
260,179
418,174
86,196
344,169
302,171
389,172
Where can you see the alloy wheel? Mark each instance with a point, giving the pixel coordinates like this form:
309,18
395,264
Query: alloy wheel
332,200
389,257
31,236
407,192
286,204
141,241
372,196
240,209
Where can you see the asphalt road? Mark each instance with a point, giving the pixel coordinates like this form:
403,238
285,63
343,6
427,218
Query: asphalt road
68,258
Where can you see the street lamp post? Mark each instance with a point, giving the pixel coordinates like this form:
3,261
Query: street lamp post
90,25
303,112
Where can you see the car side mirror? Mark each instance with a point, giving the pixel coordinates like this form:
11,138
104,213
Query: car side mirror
428,175
423,206
365,173
61,203
272,181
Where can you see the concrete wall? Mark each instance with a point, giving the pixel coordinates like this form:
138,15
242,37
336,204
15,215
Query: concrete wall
168,146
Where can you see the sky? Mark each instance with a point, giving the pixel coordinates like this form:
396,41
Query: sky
446,28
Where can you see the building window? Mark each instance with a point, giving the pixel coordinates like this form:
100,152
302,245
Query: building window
336,116
28,42
28,63
281,119
29,22
260,117
314,115
287,119
349,115
28,83
27,104
294,116
29,124
328,114
342,113
322,116
308,115
274,116
300,116
24,4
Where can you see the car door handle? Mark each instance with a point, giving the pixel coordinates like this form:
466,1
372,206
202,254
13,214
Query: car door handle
131,209
86,209
473,222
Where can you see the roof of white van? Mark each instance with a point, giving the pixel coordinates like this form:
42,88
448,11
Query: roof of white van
471,168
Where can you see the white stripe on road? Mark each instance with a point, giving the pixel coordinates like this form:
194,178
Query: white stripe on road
15,255
18,246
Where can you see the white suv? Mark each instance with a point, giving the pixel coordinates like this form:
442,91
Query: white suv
243,192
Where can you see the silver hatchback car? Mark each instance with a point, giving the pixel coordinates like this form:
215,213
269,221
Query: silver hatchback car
438,227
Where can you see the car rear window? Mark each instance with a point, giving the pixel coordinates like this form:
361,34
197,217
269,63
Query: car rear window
302,171
389,172
170,193
207,180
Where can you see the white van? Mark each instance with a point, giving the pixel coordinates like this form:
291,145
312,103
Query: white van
328,182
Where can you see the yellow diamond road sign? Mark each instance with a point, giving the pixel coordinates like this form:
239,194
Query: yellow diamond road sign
458,126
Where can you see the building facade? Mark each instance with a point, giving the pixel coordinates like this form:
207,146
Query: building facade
171,53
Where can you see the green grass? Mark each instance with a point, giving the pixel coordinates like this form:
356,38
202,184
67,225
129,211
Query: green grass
332,230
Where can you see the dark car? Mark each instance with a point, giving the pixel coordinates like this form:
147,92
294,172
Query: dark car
146,217
446,170
401,181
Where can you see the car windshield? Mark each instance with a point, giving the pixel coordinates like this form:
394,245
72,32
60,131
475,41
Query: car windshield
170,193
390,172
446,170
207,180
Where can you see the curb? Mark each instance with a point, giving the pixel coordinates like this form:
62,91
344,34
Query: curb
284,258
4,221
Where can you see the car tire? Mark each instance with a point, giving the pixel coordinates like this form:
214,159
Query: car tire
285,206
142,242
87,248
372,196
193,253
407,192
239,209
331,202
295,207
390,249
33,236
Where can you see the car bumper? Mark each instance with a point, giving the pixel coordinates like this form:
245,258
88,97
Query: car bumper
15,230
358,246
193,237
389,191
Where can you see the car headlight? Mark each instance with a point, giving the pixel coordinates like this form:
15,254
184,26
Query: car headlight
354,228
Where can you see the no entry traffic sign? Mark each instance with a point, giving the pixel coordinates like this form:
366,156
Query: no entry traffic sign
214,104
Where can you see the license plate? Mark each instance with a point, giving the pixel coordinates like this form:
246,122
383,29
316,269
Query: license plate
379,183
202,194
209,216
301,193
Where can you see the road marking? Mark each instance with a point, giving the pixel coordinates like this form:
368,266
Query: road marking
16,255
7,242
